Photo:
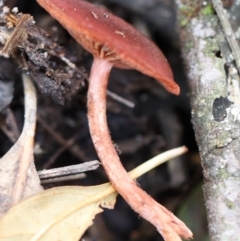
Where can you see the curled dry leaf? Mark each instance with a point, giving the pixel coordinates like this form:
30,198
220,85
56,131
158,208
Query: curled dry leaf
64,213
18,176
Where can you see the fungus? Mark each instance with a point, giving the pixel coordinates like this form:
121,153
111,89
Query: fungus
114,43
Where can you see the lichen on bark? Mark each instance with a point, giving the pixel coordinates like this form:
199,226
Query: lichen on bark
215,117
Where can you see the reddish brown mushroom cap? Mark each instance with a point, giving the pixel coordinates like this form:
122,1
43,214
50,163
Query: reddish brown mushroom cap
109,37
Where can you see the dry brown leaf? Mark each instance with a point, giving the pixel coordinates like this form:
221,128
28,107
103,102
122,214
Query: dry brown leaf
18,176
64,213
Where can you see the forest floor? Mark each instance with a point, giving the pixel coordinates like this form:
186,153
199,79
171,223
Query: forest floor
158,122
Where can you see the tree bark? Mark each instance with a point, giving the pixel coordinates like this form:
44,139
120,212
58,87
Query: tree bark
214,93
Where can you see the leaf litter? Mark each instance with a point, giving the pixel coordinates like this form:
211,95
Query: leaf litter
64,213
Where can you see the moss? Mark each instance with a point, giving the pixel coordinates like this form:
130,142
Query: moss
191,9
223,139
188,11
222,174
230,204
208,10
211,47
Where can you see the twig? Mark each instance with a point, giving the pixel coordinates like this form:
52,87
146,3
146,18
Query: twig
68,170
74,149
120,99
69,145
228,31
64,178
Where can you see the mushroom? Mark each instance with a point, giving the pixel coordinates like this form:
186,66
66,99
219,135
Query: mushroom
114,43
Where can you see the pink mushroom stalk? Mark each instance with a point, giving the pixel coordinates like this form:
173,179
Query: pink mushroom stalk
114,43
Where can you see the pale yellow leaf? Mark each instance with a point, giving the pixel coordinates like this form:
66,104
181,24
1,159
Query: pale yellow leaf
62,213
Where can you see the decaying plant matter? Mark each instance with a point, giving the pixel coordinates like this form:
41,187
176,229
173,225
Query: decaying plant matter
36,52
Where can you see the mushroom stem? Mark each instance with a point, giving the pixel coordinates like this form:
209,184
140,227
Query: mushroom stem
167,224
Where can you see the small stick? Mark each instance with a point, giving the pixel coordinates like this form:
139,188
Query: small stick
74,149
64,178
69,145
228,31
68,170
120,99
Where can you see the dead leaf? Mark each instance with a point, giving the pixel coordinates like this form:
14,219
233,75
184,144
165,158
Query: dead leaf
64,213
18,176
